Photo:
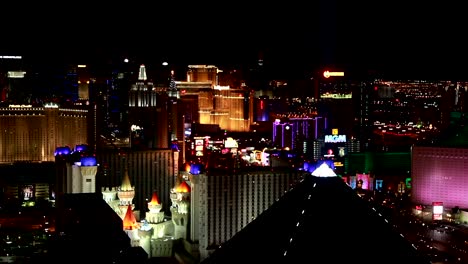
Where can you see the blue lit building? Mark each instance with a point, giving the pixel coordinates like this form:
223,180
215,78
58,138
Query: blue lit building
76,170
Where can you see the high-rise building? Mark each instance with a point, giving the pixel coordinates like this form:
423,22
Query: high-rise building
438,175
148,114
13,81
203,73
77,83
112,108
204,101
33,133
262,109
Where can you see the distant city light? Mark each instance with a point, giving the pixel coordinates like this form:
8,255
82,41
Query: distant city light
126,60
19,105
16,74
328,74
81,66
165,63
10,57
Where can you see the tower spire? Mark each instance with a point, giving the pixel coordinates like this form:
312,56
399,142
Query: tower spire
173,91
142,73
126,185
129,221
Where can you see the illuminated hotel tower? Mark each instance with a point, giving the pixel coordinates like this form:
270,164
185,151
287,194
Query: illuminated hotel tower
203,73
13,86
206,102
148,114
194,207
176,131
33,133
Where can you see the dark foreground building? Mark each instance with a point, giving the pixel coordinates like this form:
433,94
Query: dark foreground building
88,230
320,220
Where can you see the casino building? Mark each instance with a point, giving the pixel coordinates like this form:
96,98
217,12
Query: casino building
439,175
33,133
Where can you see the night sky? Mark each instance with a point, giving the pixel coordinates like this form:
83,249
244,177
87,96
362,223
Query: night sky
392,36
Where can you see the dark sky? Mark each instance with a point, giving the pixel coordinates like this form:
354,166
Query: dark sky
409,38
393,35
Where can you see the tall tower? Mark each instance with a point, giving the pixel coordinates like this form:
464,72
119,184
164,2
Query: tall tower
194,208
176,123
13,84
173,96
203,73
148,114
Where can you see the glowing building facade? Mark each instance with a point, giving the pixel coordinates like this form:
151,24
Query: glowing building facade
33,133
439,175
206,102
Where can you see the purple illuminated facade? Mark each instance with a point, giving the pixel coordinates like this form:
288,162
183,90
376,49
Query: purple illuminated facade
440,175
283,135
286,131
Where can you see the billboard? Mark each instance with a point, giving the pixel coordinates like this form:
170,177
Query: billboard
437,210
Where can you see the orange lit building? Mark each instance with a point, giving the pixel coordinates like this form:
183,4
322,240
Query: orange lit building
33,133
206,102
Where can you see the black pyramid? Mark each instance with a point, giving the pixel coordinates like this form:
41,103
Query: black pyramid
320,220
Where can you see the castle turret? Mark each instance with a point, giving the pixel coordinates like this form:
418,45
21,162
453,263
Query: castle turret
161,228
109,194
180,197
145,234
126,193
131,226
154,215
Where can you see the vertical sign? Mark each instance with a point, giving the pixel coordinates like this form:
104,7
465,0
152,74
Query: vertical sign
437,210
